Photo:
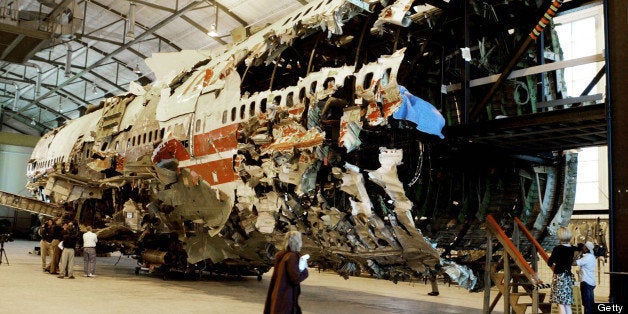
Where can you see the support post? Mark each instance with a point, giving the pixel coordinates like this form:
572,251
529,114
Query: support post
506,292
615,16
487,272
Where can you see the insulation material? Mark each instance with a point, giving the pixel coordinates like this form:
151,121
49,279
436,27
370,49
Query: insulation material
350,127
461,274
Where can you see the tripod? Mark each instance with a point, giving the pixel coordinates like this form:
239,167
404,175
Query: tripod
3,253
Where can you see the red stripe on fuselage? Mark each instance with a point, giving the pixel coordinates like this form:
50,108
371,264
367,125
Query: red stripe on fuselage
215,172
216,141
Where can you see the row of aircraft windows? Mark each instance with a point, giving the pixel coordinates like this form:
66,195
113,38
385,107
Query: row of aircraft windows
46,164
148,137
368,79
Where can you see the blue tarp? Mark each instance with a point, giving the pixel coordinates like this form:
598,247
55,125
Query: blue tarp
421,112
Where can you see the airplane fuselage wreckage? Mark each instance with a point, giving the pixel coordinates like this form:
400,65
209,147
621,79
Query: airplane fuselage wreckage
312,124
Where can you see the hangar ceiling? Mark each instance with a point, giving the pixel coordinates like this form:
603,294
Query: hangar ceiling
59,56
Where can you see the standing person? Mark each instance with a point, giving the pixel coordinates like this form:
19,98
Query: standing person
285,283
67,256
587,275
45,231
433,282
560,262
57,230
89,252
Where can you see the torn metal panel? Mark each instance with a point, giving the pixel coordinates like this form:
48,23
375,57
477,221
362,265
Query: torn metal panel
397,13
167,65
224,153
269,205
563,216
293,135
198,202
353,184
132,216
112,113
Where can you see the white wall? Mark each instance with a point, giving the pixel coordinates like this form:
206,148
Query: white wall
13,161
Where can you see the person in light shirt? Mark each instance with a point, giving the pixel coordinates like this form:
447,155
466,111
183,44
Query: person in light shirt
89,252
587,276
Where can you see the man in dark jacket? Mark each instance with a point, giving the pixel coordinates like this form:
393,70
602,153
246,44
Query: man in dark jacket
67,256
285,283
45,231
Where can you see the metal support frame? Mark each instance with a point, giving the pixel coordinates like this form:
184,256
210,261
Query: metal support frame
115,52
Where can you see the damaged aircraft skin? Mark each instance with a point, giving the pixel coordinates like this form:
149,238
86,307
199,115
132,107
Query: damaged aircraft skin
310,124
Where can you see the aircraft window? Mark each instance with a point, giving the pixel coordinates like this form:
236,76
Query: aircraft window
117,145
252,109
296,17
161,134
242,111
308,11
144,139
156,135
128,143
286,22
224,117
290,100
262,105
329,1
313,87
104,146
87,154
233,114
150,137
277,101
367,80
386,77
318,6
198,125
133,141
302,94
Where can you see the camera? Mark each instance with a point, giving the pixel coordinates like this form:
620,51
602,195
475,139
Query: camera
6,237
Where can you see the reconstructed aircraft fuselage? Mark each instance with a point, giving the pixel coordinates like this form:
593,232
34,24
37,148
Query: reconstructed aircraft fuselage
304,125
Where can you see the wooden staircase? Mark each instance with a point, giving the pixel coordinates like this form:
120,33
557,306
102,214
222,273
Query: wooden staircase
517,281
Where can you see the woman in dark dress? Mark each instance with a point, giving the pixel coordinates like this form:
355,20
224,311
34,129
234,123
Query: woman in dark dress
285,283
560,262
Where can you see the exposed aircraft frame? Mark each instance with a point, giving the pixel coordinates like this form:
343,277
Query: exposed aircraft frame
226,151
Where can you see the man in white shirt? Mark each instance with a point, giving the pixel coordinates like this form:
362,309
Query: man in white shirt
587,275
89,252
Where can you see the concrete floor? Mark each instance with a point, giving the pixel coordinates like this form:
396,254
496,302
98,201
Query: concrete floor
24,288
